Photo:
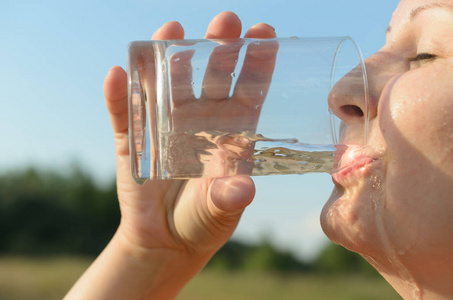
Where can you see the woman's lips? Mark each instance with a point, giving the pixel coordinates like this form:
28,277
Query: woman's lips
351,162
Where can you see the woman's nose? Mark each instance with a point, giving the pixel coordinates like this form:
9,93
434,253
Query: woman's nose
348,100
349,97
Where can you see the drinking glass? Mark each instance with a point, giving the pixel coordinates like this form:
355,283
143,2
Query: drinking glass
214,108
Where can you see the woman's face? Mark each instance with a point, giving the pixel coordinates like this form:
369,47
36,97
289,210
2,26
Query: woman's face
394,203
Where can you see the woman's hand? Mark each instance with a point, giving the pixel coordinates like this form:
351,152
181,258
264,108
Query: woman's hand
169,229
191,216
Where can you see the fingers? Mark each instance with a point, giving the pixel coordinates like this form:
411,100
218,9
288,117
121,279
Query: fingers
169,31
259,63
223,60
181,71
261,31
256,74
225,25
229,197
115,92
181,77
230,194
220,71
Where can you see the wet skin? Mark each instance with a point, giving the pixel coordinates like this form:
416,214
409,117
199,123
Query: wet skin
393,203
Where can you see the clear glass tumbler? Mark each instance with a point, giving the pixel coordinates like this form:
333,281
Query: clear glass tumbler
213,108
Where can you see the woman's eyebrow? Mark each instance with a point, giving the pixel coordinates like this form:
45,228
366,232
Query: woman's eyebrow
416,11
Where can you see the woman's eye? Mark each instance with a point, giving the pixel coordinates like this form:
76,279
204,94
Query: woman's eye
421,59
423,56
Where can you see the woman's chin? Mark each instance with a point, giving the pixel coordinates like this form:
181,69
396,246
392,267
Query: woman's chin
349,218
333,216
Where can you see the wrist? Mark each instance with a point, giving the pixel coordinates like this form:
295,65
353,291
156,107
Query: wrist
165,271
125,271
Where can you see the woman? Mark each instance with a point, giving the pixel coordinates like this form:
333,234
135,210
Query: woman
396,210
393,204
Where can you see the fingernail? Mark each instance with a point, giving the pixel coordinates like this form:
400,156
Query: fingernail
271,27
114,68
261,24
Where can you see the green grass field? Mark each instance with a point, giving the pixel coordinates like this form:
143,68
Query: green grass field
23,278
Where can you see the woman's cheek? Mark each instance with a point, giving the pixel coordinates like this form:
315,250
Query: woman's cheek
417,117
402,114
416,120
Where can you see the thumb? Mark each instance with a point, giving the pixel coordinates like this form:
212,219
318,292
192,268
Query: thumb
232,194
228,197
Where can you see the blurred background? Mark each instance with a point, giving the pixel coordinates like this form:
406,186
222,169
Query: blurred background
58,206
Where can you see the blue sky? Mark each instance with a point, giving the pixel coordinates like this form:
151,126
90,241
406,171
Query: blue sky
55,54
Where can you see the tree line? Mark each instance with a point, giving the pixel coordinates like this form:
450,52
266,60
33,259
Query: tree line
45,213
